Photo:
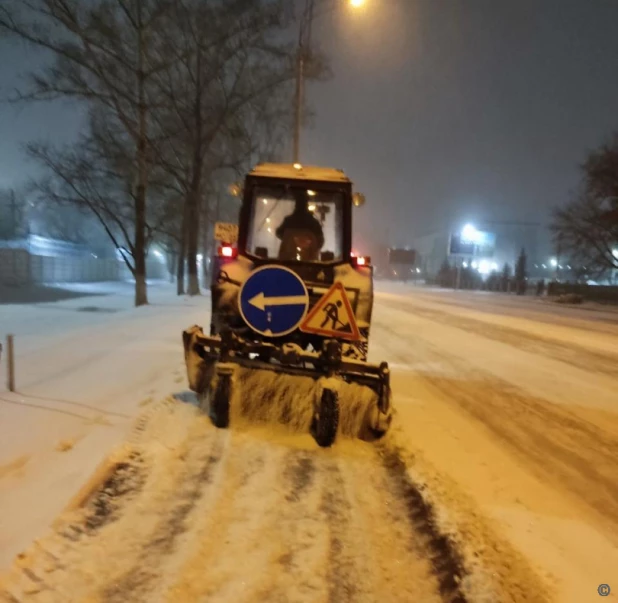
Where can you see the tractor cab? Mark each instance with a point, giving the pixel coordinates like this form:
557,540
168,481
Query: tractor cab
289,215
297,216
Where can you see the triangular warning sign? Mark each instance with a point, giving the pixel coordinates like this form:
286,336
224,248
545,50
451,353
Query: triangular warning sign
332,316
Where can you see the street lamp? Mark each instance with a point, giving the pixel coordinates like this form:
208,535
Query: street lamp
302,53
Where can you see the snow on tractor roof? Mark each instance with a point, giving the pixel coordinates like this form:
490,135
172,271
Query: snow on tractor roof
298,171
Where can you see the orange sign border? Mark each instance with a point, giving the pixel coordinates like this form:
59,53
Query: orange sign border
354,336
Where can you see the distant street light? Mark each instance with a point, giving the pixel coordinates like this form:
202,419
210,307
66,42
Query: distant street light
553,262
302,53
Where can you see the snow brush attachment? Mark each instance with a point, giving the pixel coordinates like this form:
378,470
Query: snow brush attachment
317,392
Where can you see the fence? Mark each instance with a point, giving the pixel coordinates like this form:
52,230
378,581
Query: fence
18,267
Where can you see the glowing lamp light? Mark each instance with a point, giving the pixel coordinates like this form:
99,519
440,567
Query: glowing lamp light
484,267
298,166
312,207
311,193
553,262
227,251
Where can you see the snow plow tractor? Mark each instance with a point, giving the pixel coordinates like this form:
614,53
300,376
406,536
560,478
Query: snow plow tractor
291,312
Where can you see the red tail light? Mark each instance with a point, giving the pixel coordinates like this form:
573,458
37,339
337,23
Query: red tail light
227,251
361,260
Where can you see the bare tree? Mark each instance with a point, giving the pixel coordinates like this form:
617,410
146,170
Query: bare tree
586,228
230,66
102,54
60,222
96,175
12,214
180,92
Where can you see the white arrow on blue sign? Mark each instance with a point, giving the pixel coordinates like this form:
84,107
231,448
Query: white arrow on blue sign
273,301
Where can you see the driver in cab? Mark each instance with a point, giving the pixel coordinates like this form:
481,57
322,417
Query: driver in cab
300,233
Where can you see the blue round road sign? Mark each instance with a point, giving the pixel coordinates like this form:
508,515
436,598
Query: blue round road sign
273,301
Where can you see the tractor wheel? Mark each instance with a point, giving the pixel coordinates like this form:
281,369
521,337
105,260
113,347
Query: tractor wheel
326,419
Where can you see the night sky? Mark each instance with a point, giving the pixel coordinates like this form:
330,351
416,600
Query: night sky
441,111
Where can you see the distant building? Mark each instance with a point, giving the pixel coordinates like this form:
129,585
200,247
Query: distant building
499,243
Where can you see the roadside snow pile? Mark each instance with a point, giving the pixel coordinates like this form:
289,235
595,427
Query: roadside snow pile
491,569
569,298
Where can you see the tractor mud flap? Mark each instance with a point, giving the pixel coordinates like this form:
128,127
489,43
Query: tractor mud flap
200,368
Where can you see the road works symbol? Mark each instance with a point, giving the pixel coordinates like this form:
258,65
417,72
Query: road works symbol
332,316
273,301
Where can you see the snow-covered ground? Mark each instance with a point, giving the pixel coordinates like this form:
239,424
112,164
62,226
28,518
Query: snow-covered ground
515,402
507,419
85,367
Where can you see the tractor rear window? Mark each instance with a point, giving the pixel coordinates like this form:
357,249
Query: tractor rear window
296,224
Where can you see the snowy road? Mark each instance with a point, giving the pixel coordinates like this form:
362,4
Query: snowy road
507,427
516,402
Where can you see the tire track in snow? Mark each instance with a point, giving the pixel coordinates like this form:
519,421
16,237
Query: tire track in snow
137,583
578,356
345,581
577,456
242,516
233,540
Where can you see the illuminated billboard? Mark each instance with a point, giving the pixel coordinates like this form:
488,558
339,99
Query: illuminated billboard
402,256
472,242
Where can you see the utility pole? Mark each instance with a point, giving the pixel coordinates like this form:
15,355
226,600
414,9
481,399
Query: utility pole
302,53
558,253
13,209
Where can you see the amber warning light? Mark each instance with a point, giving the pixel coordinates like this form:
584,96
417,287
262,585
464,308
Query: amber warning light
227,251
